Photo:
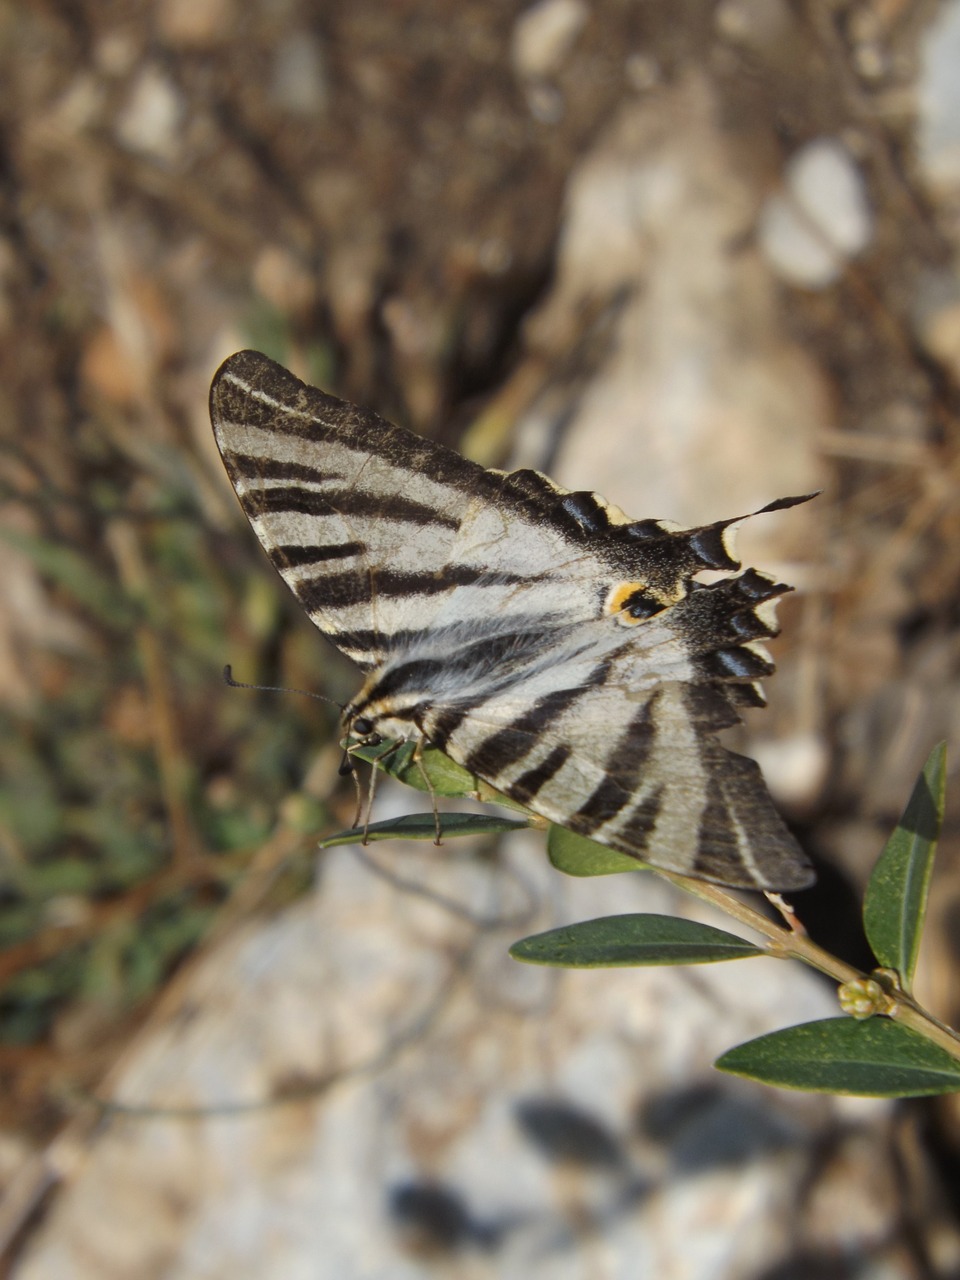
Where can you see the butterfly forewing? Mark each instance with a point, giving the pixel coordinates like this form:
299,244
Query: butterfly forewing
544,641
370,526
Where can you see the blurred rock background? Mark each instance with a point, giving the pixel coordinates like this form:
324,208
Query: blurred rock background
692,256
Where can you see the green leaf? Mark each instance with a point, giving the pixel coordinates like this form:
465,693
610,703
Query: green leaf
632,940
383,754
434,772
877,1059
896,897
422,826
577,856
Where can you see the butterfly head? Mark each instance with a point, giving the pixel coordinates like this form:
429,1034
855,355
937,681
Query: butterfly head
364,730
370,722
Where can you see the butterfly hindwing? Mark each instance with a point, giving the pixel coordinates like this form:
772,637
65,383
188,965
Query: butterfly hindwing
542,639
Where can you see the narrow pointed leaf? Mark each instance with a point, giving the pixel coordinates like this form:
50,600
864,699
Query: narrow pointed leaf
421,826
434,771
577,856
896,897
386,754
878,1058
632,940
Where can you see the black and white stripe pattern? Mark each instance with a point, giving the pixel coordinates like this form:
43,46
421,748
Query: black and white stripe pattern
557,649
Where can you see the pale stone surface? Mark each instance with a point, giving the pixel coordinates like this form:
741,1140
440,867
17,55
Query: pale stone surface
938,97
696,406
150,121
555,1123
795,767
299,82
544,35
820,219
937,316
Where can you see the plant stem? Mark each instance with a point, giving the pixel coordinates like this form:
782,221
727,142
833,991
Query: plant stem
786,944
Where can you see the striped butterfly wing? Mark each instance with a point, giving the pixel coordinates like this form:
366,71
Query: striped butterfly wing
557,649
624,750
371,526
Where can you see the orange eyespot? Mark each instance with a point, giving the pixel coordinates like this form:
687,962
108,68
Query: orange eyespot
633,602
620,594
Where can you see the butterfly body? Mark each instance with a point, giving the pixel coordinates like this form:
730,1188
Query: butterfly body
557,649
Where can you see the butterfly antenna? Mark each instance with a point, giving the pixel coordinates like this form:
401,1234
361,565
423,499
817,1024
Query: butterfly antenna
274,688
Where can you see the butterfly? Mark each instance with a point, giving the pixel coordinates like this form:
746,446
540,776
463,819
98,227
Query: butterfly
566,654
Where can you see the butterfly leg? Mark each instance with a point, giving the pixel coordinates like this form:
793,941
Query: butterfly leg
348,768
785,909
418,761
371,793
391,750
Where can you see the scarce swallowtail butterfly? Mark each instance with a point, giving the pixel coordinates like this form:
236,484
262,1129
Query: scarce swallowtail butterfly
560,651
